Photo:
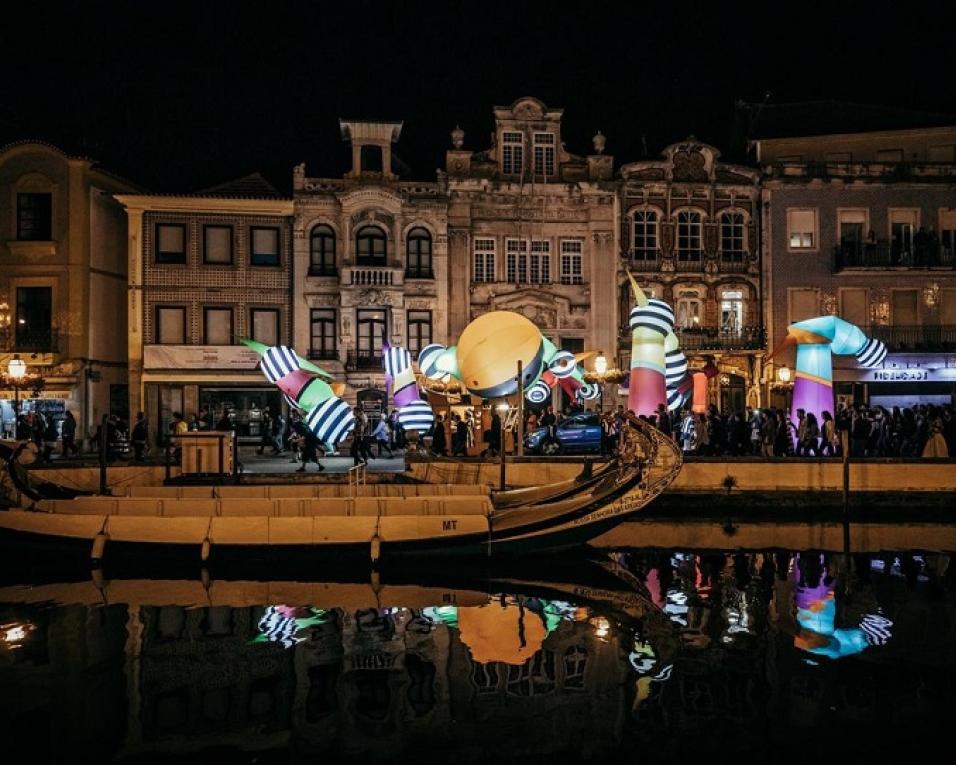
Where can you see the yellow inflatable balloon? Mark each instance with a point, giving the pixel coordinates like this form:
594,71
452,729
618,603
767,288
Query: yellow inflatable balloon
489,349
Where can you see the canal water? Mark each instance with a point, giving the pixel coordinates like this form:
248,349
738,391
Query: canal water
641,656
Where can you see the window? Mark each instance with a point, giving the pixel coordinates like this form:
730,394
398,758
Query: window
484,262
947,235
540,261
418,247
644,242
265,325
171,325
323,334
689,239
853,306
322,251
34,327
370,246
217,245
731,311
217,326
802,229
572,268
544,154
804,304
516,260
732,237
171,243
852,225
903,225
34,217
419,331
371,333
265,246
689,311
941,154
889,155
904,308
512,153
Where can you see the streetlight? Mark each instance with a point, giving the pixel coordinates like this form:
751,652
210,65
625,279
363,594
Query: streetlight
600,369
502,413
783,380
16,371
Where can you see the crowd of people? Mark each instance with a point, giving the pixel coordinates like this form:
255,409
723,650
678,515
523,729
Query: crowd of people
867,431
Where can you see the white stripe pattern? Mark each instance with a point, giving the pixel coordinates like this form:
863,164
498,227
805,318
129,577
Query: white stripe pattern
676,363
428,360
675,399
872,354
417,416
396,360
589,391
656,315
562,364
277,362
331,420
538,393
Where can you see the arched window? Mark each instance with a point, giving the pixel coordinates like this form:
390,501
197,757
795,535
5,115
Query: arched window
732,237
690,240
644,236
322,251
418,247
371,246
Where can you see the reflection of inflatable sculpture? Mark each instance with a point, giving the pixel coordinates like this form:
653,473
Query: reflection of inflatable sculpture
327,415
413,413
817,340
486,360
507,633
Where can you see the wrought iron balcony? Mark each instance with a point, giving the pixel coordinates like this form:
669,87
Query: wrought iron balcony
36,341
715,339
323,354
689,261
364,360
883,254
644,260
925,337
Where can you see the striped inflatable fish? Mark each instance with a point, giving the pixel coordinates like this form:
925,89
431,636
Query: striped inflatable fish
417,416
331,420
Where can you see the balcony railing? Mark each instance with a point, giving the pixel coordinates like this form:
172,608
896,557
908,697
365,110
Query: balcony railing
645,260
883,254
42,341
689,261
419,273
714,339
926,337
323,354
735,263
364,360
372,276
316,270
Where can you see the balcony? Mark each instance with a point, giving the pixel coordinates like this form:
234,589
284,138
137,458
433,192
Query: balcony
420,273
644,260
323,354
689,262
323,271
884,254
372,276
714,339
368,361
23,341
926,337
733,263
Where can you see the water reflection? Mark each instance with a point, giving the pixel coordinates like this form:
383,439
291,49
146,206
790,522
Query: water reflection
678,643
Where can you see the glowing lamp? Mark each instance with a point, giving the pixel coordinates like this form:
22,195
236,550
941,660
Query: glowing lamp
600,364
16,367
783,374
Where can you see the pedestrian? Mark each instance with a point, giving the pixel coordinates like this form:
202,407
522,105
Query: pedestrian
68,434
439,446
382,435
768,434
459,437
829,436
277,427
140,437
265,432
309,445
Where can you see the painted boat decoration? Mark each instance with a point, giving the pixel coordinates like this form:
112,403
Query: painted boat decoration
545,519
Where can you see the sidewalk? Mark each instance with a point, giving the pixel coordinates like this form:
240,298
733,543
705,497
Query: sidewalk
267,463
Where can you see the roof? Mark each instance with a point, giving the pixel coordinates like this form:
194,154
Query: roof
252,186
816,118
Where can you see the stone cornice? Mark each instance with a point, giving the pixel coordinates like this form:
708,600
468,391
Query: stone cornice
189,204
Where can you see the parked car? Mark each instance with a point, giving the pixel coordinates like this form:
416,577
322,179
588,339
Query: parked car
580,433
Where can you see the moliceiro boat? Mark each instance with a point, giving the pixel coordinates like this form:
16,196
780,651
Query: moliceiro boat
219,521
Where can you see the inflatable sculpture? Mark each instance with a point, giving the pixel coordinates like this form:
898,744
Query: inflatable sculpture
327,415
651,322
817,340
413,413
485,360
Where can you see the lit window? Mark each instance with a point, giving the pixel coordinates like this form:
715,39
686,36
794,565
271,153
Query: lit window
512,153
171,243
801,229
572,267
544,154
217,245
484,261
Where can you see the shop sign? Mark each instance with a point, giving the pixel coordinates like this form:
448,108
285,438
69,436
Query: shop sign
199,357
902,375
26,394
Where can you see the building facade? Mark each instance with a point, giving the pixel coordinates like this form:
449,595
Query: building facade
62,277
864,226
207,270
531,229
370,263
689,230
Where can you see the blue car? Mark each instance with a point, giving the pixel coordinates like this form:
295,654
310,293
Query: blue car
580,433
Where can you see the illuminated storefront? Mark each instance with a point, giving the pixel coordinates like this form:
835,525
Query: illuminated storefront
903,380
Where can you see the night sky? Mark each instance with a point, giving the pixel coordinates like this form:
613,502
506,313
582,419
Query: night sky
178,96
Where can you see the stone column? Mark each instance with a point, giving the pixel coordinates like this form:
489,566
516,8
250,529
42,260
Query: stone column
134,317
603,269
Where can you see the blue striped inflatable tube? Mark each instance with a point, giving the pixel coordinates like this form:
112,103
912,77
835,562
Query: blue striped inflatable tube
277,362
331,420
417,416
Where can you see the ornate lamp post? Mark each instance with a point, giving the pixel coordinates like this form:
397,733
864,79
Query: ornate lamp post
600,369
784,381
16,371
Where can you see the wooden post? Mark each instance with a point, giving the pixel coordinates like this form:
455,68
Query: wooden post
846,497
520,449
504,425
103,446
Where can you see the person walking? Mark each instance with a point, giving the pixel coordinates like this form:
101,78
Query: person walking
382,435
277,427
439,444
310,445
68,434
140,437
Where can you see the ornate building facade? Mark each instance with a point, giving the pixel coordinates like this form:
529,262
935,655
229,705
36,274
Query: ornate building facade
689,234
62,277
531,229
370,261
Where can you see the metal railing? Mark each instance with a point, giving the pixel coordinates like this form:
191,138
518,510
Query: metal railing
644,260
372,276
42,341
884,254
925,337
323,354
713,338
366,360
689,261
